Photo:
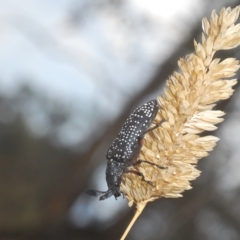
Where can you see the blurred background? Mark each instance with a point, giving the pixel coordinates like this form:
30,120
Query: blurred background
71,71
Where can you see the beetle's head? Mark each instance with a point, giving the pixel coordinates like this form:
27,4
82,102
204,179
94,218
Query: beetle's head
113,177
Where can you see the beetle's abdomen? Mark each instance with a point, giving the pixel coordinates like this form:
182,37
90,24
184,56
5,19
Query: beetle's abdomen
125,146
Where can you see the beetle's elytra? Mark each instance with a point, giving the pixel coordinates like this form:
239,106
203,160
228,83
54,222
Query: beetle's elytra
126,147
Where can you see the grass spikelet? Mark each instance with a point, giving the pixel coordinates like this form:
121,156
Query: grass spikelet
186,111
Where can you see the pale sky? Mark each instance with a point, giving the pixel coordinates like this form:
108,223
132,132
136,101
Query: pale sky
99,63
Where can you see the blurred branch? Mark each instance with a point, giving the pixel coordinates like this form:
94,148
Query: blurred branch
224,211
187,212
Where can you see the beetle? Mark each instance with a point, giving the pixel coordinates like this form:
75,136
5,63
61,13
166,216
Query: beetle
125,149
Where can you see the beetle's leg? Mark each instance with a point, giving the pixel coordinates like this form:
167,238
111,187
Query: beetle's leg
144,161
150,129
140,138
140,143
141,175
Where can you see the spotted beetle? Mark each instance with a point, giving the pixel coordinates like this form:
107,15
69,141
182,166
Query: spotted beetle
126,147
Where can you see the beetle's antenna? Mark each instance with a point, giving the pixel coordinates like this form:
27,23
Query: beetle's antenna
94,193
106,195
